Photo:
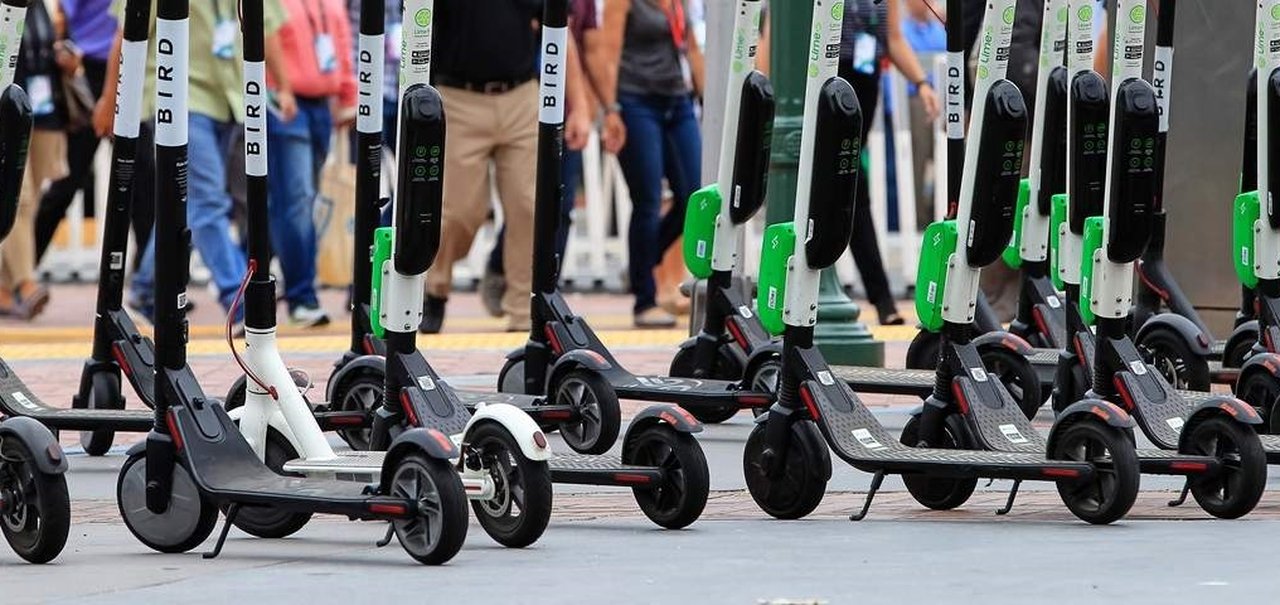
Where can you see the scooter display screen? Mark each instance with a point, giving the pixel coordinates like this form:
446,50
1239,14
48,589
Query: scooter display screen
1273,147
995,190
420,186
1053,165
837,154
15,133
755,141
1134,173
1088,129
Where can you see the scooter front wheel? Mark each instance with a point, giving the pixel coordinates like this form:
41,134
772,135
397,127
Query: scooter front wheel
792,486
520,508
187,521
104,393
938,493
1234,491
436,533
599,414
1113,487
268,521
682,496
35,511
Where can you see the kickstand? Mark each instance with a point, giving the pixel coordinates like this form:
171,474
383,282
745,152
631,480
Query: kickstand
1013,493
391,532
1182,497
232,511
866,506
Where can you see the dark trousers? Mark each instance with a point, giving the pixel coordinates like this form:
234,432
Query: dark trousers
863,245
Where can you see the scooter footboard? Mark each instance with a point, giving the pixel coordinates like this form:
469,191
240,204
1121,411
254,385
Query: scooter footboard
995,418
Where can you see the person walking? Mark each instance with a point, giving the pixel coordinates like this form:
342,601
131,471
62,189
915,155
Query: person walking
872,33
320,72
649,72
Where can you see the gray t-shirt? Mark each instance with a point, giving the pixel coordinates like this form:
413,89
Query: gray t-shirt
651,62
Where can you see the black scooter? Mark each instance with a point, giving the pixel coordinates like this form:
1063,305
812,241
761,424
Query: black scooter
786,459
194,460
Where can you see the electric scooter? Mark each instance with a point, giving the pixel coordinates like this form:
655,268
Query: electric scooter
1226,483
786,460
194,461
97,410
35,510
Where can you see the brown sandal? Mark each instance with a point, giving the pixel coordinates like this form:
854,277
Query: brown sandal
30,306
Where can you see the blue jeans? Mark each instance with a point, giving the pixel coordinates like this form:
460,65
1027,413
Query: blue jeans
662,141
208,212
296,151
568,193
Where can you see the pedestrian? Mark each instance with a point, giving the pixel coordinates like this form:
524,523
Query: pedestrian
216,105
91,29
872,33
649,76
39,70
320,74
583,106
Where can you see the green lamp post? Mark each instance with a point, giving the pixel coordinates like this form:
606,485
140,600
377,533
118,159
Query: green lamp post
842,338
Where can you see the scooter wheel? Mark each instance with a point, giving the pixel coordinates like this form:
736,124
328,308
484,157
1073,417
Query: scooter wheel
1112,489
361,392
183,526
1170,354
104,393
1262,391
511,376
679,500
923,352
236,394
35,511
1069,383
1017,375
792,487
1233,492
269,521
764,377
1239,348
600,416
682,366
520,508
938,493
437,532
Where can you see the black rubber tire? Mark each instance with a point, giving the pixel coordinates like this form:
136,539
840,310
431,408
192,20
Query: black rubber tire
764,377
511,376
37,522
1069,384
598,405
236,394
1262,391
1237,490
682,366
131,498
1111,492
680,500
1238,349
268,521
802,481
104,388
521,507
938,493
362,390
451,502
1017,375
923,352
1171,355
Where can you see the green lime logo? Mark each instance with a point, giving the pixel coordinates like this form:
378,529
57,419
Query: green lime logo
1275,12
1085,13
1138,14
813,70
1008,16
983,71
737,66
422,17
837,11
1062,15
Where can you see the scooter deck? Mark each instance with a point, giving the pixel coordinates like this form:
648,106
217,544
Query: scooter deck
889,381
858,438
582,469
17,400
345,466
686,392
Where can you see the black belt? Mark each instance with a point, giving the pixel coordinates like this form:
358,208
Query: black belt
491,87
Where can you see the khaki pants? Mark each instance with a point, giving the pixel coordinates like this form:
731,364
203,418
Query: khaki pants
502,129
46,161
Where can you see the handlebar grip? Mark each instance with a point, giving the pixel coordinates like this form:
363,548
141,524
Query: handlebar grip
1088,129
15,134
837,154
1133,183
420,180
998,172
755,140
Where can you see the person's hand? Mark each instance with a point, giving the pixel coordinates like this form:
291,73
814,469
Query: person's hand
614,135
344,117
929,99
67,57
288,104
104,116
577,129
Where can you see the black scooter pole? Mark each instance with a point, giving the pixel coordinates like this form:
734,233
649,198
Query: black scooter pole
370,63
955,103
259,300
1160,80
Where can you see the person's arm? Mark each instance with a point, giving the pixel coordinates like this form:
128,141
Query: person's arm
346,101
104,112
697,64
904,58
273,17
603,58
578,122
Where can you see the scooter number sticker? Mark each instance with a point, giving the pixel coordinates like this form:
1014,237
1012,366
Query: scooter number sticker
1138,367
1012,433
24,401
864,437
825,378
1175,423
426,383
116,263
1053,302
745,312
979,374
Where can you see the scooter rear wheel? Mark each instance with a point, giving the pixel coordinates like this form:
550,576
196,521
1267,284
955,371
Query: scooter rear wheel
1262,391
520,508
362,392
938,493
923,352
437,532
36,511
764,377
792,487
1111,491
268,521
682,496
1018,377
1233,492
187,522
682,366
1170,355
104,393
600,416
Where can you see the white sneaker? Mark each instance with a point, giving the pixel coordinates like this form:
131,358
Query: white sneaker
308,316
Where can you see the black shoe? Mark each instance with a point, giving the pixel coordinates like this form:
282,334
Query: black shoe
432,315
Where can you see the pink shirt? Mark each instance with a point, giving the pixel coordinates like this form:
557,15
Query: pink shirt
309,21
